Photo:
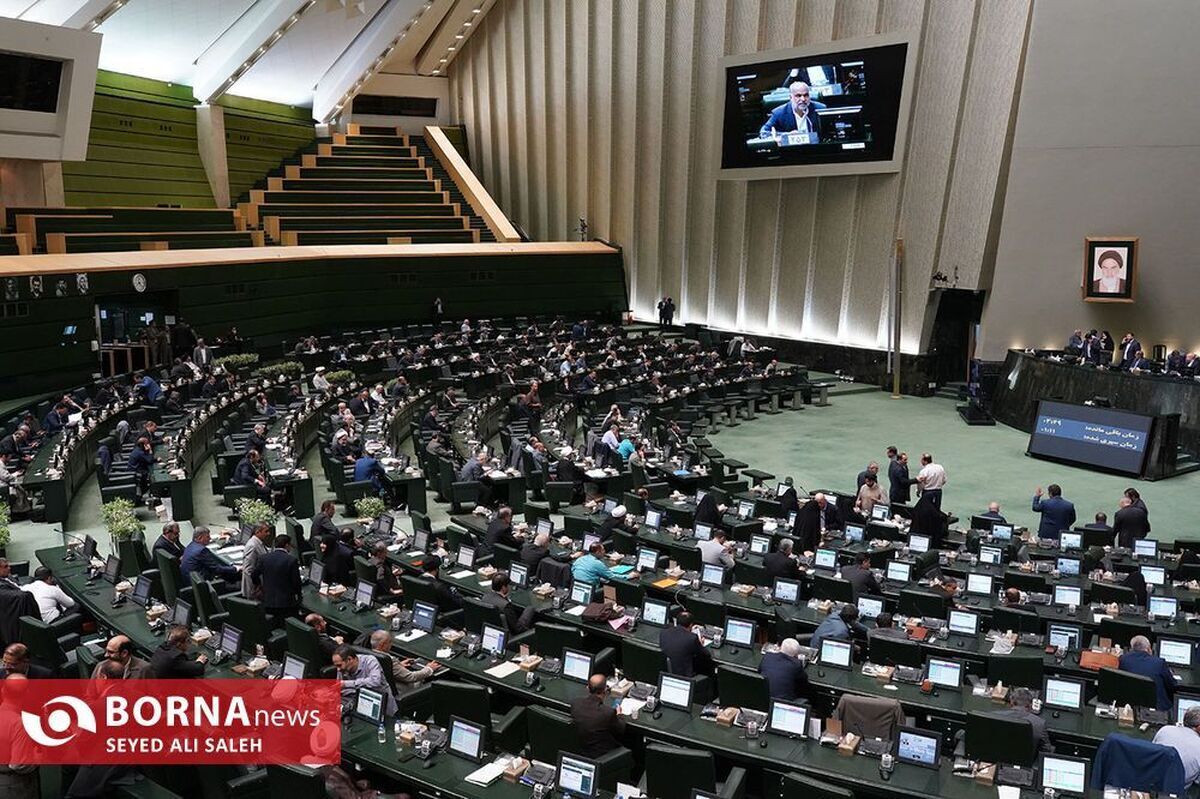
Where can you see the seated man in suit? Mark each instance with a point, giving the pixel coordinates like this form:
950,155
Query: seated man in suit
472,471
169,540
1141,660
597,723
368,467
197,558
885,626
257,439
250,472
686,656
500,531
447,595
170,660
993,513
1100,525
1142,364
841,626
797,114
328,643
532,552
56,419
515,619
402,671
1058,513
780,563
785,674
1020,708
861,578
16,661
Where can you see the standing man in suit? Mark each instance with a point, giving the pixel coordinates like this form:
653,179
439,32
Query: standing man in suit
686,656
322,523
202,354
1130,347
278,573
797,114
252,553
1130,523
597,723
900,484
1058,514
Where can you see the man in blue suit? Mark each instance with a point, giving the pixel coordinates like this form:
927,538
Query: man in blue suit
1140,660
1058,514
799,113
784,672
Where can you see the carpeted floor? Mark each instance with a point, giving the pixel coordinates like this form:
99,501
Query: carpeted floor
820,448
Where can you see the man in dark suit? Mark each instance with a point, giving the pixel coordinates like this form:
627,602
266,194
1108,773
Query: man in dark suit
788,500
197,558
899,483
1140,660
1020,708
169,541
1100,524
429,422
257,439
447,597
1058,514
328,643
170,660
861,578
1130,347
1091,351
278,572
814,518
597,723
799,114
515,619
686,656
362,404
780,563
532,552
784,673
993,513
249,472
322,523
500,531
1130,523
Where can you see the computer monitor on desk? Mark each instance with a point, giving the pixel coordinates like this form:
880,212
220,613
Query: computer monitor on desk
1068,637
786,591
1018,621
1176,652
915,602
467,739
887,651
1061,693
675,692
1067,595
982,523
1145,548
994,739
1002,532
825,586
576,776
1184,703
1070,541
1066,776
918,747
1122,687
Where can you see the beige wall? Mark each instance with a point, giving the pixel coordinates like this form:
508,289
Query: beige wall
1107,143
611,110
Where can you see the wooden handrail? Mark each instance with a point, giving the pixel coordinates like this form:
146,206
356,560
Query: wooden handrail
481,202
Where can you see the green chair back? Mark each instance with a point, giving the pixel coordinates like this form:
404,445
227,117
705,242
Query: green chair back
168,572
798,786
642,662
664,765
461,699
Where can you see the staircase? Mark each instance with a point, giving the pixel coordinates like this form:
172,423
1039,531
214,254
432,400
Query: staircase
373,186
956,391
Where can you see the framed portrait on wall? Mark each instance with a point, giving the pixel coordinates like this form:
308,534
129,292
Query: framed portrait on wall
1109,268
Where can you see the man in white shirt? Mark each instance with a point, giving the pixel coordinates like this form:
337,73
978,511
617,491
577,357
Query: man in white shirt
611,438
1186,741
319,382
715,551
931,479
51,600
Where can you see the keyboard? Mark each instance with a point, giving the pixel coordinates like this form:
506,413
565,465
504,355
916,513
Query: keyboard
1036,598
907,674
873,747
273,671
745,716
1148,715
932,623
1011,775
550,666
1029,639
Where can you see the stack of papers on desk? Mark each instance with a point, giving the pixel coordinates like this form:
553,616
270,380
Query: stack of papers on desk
502,670
462,575
486,774
576,611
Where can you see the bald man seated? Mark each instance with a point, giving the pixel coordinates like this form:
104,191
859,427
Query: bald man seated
118,652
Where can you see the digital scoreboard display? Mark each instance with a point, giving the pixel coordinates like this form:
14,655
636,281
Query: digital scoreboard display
1103,438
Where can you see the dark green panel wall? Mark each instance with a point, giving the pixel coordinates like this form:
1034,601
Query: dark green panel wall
258,136
142,148
273,301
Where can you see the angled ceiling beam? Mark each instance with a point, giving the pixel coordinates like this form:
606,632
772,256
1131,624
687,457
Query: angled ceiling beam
403,59
69,13
366,55
243,44
450,36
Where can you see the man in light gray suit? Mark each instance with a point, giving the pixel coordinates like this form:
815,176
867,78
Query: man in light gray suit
252,554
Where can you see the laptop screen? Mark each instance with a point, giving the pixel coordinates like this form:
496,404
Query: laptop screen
1155,575
835,653
869,607
576,665
947,673
1064,774
294,667
825,559
466,557
702,532
854,533
544,526
989,554
1069,567
466,739
879,512
979,584
1177,653
1067,595
918,543
1002,532
713,575
1070,541
899,572
1145,548
576,776
674,692
1163,607
368,705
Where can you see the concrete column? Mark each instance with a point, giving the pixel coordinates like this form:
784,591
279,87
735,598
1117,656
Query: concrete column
210,135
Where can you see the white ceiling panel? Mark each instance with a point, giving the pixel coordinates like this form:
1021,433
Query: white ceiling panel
288,72
162,39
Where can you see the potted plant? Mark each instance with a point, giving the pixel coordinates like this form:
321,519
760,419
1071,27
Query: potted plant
287,369
5,532
339,377
125,530
369,508
239,363
255,512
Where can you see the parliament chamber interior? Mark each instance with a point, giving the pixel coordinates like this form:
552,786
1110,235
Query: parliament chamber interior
492,399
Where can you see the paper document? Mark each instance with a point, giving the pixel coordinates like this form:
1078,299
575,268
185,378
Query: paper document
462,575
629,705
502,670
576,611
411,635
486,774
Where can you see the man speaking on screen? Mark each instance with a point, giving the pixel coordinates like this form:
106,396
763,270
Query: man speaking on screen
798,114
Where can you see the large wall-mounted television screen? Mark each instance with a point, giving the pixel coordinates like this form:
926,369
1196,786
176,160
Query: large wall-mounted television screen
804,112
1102,438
